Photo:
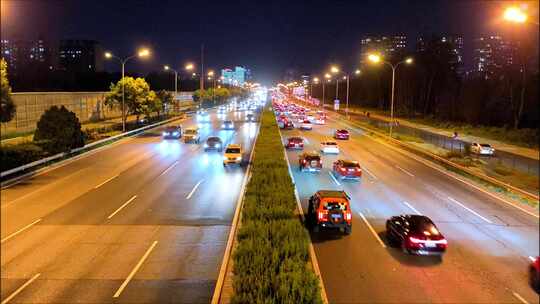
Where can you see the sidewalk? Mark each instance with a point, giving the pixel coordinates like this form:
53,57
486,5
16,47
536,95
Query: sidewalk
522,151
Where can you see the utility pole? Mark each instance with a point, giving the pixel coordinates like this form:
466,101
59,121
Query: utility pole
201,83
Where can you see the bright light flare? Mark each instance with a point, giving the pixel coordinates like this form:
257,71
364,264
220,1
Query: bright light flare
409,60
515,14
144,53
166,67
374,58
334,69
108,55
189,66
357,72
327,76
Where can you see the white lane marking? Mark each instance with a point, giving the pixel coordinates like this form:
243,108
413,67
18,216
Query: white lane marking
16,292
372,230
170,167
334,178
369,172
194,189
532,259
121,207
515,294
412,208
108,180
405,171
470,210
19,231
130,276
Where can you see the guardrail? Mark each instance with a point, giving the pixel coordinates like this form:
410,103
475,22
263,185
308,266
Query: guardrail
483,177
90,145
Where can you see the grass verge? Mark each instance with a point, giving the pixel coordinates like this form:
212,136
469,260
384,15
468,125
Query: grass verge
271,259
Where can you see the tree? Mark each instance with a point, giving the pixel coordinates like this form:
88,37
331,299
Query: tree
7,107
138,97
59,130
165,99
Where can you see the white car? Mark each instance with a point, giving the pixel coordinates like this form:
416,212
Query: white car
319,121
482,149
191,135
306,125
232,155
329,146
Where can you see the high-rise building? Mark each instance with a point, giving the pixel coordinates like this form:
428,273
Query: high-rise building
454,43
387,46
492,54
236,77
80,55
21,54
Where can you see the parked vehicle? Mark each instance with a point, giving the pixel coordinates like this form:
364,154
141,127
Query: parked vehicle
482,149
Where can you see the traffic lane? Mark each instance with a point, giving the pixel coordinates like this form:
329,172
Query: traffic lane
507,224
76,272
373,204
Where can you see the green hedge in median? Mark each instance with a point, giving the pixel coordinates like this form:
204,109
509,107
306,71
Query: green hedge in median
271,259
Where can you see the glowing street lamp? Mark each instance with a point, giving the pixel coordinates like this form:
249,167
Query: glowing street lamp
142,53
168,68
189,67
374,58
515,14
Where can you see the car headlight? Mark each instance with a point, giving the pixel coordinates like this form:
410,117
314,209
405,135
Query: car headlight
206,145
218,145
224,157
223,125
175,133
165,133
239,158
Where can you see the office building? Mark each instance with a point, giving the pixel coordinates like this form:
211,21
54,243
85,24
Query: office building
387,46
492,54
236,77
454,43
80,55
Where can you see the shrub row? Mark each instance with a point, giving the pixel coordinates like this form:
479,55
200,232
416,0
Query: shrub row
272,254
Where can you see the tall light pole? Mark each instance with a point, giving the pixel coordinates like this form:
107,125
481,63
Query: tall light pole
327,76
316,81
168,68
211,77
347,77
334,70
141,54
376,59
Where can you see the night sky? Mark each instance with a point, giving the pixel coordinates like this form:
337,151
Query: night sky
267,37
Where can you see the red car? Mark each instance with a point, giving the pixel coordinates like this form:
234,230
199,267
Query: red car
341,134
534,274
295,143
347,169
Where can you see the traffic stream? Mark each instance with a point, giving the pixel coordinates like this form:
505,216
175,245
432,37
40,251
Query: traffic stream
489,242
143,221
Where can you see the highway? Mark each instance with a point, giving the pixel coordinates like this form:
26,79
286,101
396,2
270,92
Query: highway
145,220
489,241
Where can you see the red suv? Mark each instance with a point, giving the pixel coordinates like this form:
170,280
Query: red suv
341,134
347,169
310,161
330,209
534,274
295,143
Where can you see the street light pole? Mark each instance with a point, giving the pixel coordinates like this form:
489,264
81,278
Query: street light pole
392,99
322,96
347,100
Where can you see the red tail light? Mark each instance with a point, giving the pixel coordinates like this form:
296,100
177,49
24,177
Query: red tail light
348,216
322,216
342,169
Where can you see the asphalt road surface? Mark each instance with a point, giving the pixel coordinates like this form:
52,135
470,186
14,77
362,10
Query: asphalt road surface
489,242
143,221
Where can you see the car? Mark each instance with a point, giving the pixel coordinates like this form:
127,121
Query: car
416,234
341,134
347,169
227,125
286,124
330,209
330,147
306,125
319,121
250,117
482,149
213,143
310,161
191,135
172,132
232,155
534,274
295,142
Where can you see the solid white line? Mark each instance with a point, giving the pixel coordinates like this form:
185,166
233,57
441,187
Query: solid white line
412,208
130,276
369,172
19,231
194,189
470,210
372,230
110,179
334,178
170,167
519,297
11,296
121,207
405,171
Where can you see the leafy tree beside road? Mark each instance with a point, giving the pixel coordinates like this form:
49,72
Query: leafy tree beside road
139,99
7,107
59,130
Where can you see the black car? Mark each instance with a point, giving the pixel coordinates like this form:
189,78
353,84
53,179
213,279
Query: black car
250,117
172,132
213,143
416,234
227,125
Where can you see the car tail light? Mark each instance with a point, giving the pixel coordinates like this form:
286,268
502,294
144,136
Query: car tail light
348,216
342,169
322,216
304,161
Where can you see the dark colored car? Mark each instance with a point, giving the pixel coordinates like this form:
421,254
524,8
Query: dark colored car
330,209
534,274
416,234
310,161
227,125
250,117
347,169
341,134
172,132
295,143
213,143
